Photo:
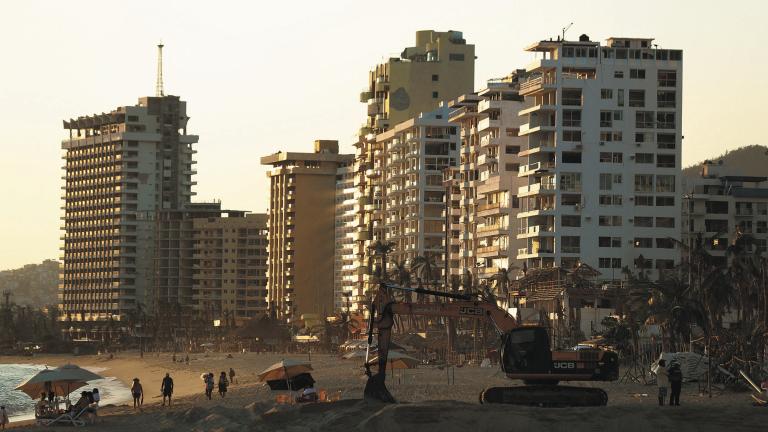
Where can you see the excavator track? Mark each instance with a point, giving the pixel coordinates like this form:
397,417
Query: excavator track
545,396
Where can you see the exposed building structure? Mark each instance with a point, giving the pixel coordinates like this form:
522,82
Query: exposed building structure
120,169
720,205
440,67
484,205
603,147
300,275
344,270
229,270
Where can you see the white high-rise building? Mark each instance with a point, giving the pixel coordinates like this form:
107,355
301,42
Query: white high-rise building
604,149
344,268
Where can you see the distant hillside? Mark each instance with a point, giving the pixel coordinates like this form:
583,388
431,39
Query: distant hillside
750,160
33,285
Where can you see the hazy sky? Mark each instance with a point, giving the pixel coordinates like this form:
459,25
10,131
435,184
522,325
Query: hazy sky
260,78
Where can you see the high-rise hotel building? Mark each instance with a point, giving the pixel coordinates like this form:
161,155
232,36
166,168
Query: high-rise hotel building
440,67
603,131
120,169
301,220
483,188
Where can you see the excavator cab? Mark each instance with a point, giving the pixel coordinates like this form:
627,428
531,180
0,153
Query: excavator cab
525,350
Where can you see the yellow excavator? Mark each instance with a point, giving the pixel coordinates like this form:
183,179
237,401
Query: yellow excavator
525,353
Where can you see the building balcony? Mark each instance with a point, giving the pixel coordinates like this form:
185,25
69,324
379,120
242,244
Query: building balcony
535,231
536,167
529,129
365,95
491,251
538,85
537,188
526,253
537,108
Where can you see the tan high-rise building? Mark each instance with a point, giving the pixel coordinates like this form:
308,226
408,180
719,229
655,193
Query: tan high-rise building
120,169
300,274
229,269
440,67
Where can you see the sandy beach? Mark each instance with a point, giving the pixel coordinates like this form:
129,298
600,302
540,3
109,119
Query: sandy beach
427,401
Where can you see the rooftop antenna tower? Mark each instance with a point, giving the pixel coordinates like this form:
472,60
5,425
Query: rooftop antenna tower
565,29
159,92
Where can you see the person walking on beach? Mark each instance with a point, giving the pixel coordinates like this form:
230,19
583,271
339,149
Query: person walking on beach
138,393
3,417
231,375
675,375
209,385
223,384
166,388
662,380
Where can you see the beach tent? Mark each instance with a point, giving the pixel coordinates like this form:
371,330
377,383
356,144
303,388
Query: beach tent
64,380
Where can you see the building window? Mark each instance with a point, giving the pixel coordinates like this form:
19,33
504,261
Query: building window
611,200
637,73
609,263
435,77
606,118
665,243
643,182
644,158
665,141
512,149
614,221
434,95
666,120
643,242
456,57
642,137
643,221
570,244
618,74
611,157
620,98
644,200
644,120
606,94
570,220
571,157
665,201
665,161
571,118
667,78
665,222
572,96
572,135
637,98
512,167
665,183
666,99
609,242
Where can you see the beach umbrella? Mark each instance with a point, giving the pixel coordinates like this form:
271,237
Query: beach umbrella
64,380
296,383
397,360
284,370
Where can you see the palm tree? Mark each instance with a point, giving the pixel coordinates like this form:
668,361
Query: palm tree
381,249
402,276
423,266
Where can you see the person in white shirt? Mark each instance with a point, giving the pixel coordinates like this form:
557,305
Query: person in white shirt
662,380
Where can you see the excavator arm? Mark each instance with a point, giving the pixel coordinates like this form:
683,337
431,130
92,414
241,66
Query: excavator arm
383,309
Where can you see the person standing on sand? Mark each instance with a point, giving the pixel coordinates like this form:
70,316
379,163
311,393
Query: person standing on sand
209,385
675,375
166,388
662,380
231,375
223,384
138,393
3,417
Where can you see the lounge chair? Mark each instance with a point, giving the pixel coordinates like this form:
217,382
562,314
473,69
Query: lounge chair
68,418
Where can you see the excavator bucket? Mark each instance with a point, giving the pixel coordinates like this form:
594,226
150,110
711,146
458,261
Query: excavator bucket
376,390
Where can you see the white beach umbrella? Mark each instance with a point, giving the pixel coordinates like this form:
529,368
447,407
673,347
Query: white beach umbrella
64,380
